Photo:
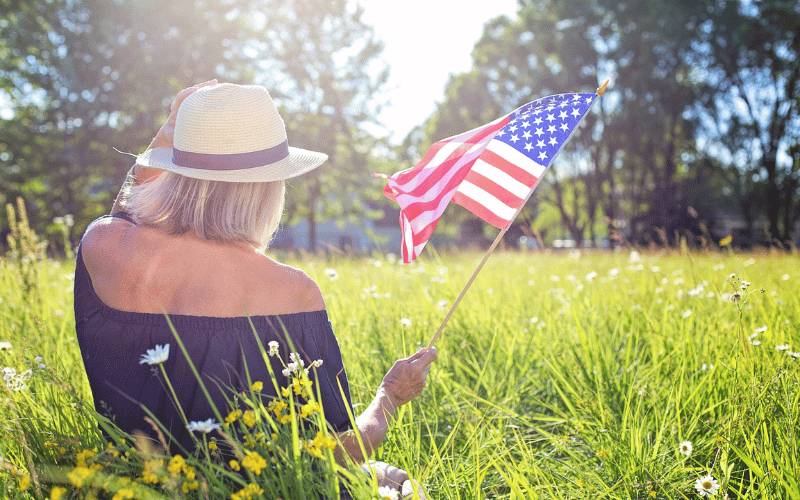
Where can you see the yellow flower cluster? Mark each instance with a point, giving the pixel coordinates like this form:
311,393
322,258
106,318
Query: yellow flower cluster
278,407
302,387
233,416
254,462
258,386
248,492
314,446
309,409
177,465
151,467
77,477
249,418
57,492
24,483
123,493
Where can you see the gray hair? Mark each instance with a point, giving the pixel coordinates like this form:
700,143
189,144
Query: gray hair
227,212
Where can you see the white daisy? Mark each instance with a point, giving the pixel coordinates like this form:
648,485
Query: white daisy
204,427
5,345
388,493
155,356
273,348
706,486
685,448
793,354
782,347
405,321
687,313
762,329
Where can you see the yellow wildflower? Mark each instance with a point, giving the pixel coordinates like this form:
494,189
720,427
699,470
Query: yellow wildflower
254,462
258,386
175,465
57,492
190,485
249,418
234,465
302,387
151,467
83,456
123,493
232,416
248,492
286,392
212,445
78,475
24,483
189,471
309,409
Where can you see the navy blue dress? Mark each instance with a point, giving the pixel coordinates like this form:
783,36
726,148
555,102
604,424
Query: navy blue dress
112,343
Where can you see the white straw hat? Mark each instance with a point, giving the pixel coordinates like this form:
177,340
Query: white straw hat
231,133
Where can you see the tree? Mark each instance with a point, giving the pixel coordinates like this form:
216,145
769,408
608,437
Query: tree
752,54
325,77
626,156
86,76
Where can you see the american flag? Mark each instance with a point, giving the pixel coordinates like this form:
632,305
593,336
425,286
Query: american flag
491,170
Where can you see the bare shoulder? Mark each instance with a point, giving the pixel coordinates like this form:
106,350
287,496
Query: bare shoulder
303,290
103,237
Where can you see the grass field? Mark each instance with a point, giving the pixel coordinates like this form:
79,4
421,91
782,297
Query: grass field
559,375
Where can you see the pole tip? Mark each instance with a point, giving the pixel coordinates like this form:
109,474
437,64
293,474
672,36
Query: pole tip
602,89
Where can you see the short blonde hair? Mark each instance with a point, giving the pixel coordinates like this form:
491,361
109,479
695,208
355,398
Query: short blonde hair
227,212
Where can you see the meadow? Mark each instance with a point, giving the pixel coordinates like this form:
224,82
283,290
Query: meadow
619,375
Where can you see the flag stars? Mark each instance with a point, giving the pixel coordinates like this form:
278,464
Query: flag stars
528,146
526,124
514,138
537,121
540,143
539,132
551,129
564,126
542,155
526,135
563,115
513,128
576,112
553,141
550,117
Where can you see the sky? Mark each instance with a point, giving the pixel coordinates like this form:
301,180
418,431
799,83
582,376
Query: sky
424,42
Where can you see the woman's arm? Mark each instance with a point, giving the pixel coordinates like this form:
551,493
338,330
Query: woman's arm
402,383
139,174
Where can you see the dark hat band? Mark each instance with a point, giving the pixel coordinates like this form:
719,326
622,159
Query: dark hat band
236,161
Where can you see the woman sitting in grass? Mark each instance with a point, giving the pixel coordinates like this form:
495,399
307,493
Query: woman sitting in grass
186,237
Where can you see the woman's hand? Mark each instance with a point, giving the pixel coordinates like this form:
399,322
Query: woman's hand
167,131
405,380
165,135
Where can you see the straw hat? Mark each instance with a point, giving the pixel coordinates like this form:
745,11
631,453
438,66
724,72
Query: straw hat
231,133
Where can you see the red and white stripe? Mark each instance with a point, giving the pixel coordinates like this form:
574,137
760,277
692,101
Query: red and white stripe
498,184
424,191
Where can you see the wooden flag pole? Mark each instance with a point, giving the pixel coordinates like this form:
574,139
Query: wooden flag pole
472,278
599,92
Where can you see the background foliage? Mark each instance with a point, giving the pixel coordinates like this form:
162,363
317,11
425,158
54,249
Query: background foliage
700,123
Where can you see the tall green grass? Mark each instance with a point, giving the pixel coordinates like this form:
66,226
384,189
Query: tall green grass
559,375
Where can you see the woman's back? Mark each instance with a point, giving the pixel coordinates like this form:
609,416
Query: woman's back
126,274
143,269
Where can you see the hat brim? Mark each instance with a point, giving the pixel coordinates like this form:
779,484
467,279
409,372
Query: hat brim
297,163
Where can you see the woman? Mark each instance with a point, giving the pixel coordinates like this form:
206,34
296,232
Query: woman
186,237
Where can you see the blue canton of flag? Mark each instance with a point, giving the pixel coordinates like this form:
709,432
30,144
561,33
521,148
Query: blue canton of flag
508,170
